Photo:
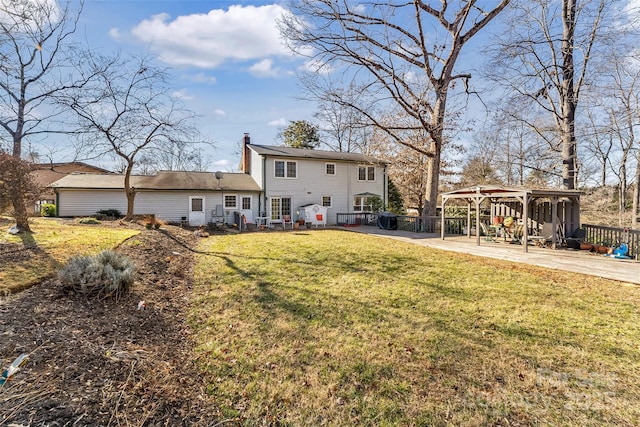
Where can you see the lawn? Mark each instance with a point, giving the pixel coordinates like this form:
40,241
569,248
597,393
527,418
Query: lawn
336,328
27,258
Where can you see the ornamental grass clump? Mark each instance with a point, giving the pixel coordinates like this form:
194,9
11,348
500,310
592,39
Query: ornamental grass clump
105,274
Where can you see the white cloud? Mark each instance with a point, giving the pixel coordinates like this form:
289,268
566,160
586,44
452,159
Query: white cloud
316,67
32,14
208,40
115,34
203,78
264,68
278,123
222,163
219,113
182,94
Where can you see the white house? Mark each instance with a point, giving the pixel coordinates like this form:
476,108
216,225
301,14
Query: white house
196,197
273,184
294,177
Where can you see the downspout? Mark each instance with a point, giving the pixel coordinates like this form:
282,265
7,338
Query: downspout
264,188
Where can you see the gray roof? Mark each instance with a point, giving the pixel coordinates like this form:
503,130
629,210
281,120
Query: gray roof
275,151
164,180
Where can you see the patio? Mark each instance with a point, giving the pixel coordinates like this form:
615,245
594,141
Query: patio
575,261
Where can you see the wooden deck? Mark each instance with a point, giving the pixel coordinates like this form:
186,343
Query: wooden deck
575,261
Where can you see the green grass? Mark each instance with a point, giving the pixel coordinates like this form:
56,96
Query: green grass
336,328
50,244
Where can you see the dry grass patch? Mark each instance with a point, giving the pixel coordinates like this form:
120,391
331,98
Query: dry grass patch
337,328
27,258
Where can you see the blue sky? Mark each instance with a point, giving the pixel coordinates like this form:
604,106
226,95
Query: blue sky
226,58
228,63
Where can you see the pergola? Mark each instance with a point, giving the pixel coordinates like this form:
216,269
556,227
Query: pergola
560,207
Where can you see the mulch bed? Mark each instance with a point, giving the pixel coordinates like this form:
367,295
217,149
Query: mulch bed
102,361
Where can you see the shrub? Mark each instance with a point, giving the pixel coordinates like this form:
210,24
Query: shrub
88,220
105,274
150,221
48,209
109,213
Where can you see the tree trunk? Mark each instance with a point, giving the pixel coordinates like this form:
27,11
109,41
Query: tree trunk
129,191
435,147
19,208
569,101
636,193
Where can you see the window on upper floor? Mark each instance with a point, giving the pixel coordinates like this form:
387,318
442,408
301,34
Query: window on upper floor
330,168
326,201
286,169
366,173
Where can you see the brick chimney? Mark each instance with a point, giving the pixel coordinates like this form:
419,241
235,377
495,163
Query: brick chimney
245,165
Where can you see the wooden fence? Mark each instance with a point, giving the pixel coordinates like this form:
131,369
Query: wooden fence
613,237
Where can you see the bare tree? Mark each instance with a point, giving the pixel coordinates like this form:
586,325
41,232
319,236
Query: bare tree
545,60
398,53
35,49
407,168
127,111
343,129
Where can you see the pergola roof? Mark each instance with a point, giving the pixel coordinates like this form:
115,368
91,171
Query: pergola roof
496,191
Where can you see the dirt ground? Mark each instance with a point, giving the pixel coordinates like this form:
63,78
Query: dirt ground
103,362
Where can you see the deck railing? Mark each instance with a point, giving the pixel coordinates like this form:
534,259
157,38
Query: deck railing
596,234
416,224
347,219
613,237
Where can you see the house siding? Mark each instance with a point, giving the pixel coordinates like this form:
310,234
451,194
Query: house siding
167,205
312,183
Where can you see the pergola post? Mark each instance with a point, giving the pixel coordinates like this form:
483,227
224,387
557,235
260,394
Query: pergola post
442,217
554,221
478,199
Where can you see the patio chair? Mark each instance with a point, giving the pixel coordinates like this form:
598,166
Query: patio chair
515,233
487,232
578,237
286,220
544,236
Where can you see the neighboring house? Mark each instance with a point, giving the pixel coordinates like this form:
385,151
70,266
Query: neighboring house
294,177
196,197
274,183
48,173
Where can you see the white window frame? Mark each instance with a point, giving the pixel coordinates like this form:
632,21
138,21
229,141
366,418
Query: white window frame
286,164
277,216
330,201
224,201
326,172
361,206
366,173
242,200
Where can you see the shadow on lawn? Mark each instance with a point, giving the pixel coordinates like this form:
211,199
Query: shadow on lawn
21,255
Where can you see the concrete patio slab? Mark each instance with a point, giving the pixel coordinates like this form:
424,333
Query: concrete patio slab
575,261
